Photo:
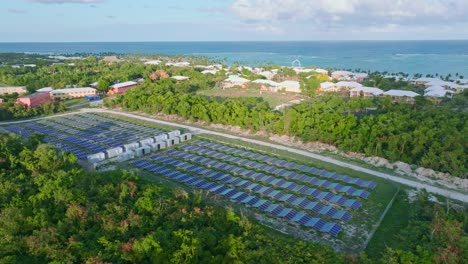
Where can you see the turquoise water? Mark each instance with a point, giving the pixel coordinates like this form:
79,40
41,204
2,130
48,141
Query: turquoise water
426,57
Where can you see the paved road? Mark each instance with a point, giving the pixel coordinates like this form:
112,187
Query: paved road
419,185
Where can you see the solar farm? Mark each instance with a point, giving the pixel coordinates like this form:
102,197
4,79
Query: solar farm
315,203
84,134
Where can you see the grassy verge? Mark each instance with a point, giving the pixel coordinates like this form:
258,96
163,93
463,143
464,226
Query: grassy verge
396,219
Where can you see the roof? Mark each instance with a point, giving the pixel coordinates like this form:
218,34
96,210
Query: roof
427,79
45,89
294,84
70,90
436,93
348,84
342,73
321,71
401,93
361,75
153,62
372,90
178,64
267,82
326,85
180,78
236,79
123,84
209,71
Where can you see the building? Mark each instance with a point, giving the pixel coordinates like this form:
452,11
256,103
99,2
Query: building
35,99
13,89
180,78
209,72
153,62
178,64
235,81
341,75
45,90
69,93
365,91
1,101
343,86
322,71
119,88
267,74
290,86
401,95
360,77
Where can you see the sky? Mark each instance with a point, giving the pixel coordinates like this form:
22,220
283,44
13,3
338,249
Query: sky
231,20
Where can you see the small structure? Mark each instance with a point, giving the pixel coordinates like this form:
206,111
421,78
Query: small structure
34,100
172,141
158,145
139,152
146,142
131,146
209,72
341,75
13,89
173,134
160,137
185,137
120,88
360,76
72,92
126,156
322,71
97,157
114,152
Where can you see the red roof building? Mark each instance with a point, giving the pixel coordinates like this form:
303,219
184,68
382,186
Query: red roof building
119,88
34,100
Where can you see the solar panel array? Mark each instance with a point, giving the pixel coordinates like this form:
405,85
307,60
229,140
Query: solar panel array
287,164
254,201
84,134
261,188
270,169
273,183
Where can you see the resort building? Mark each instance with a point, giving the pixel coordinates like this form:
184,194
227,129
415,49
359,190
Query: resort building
45,90
267,74
13,89
120,88
322,71
153,62
343,86
360,77
365,91
209,72
401,95
69,93
341,75
290,86
235,81
34,100
180,78
178,64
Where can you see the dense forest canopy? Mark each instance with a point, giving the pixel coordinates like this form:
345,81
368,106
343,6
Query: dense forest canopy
429,136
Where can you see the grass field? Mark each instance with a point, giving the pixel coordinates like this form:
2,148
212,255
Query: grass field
273,99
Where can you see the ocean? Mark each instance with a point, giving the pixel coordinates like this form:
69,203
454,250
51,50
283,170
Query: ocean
425,57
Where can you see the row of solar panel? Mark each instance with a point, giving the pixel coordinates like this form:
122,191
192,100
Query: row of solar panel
77,152
278,195
96,132
323,183
288,164
88,147
99,139
149,130
242,197
271,180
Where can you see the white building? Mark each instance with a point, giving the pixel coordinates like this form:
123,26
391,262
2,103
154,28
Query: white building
209,72
180,78
235,81
365,91
178,64
153,62
290,86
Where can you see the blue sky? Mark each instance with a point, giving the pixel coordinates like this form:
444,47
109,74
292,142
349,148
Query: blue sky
199,20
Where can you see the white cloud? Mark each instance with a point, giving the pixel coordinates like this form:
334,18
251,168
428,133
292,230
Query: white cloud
373,15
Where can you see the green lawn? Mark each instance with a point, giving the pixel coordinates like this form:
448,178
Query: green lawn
273,99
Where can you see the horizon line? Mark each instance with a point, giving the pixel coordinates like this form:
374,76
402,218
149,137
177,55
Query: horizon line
162,41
